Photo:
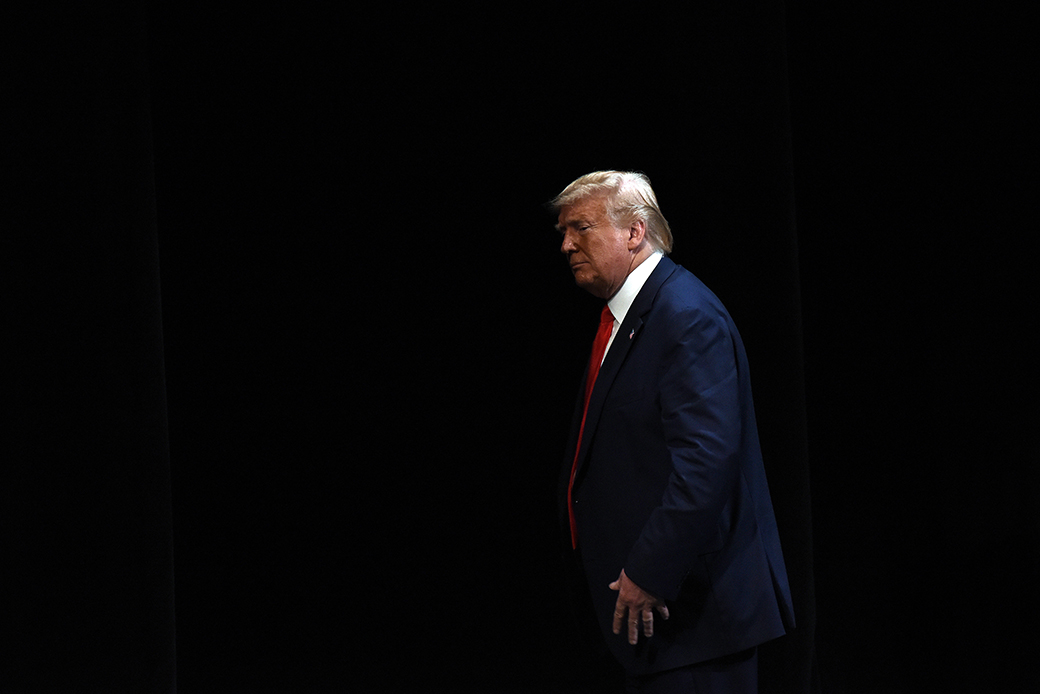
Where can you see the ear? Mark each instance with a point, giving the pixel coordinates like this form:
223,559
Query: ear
636,234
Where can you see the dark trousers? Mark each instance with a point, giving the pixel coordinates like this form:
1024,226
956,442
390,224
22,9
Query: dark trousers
732,674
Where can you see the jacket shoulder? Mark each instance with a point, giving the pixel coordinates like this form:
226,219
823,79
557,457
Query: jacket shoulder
684,293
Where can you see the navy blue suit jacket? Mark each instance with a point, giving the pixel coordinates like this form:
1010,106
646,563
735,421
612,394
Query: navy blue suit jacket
670,484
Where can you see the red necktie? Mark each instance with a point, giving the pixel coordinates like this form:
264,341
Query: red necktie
599,347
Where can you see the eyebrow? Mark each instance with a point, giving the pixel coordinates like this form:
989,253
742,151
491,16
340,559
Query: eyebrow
577,221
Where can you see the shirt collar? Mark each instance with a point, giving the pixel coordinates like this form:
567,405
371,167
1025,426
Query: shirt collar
622,300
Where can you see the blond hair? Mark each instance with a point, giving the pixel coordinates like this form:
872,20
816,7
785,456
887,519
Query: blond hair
628,197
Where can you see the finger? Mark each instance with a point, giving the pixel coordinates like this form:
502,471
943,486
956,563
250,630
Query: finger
648,621
633,628
614,586
619,617
663,609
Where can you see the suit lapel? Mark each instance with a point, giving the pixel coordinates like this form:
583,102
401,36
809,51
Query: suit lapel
626,336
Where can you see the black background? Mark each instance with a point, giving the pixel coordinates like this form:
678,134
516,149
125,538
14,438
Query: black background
371,344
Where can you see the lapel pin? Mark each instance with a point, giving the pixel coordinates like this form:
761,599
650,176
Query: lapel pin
632,334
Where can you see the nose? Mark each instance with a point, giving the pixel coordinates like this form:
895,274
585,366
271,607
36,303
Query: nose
567,246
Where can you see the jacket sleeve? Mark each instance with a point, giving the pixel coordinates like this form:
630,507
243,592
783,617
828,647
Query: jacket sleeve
699,400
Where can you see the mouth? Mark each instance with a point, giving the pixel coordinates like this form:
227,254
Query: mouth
576,264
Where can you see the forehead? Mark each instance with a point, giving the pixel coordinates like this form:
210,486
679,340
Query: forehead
587,209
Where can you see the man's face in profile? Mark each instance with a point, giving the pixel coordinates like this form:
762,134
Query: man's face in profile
596,250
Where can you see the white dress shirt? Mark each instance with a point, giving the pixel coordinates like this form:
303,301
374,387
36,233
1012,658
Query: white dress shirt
622,300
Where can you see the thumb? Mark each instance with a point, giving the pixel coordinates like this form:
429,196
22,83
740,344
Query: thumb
615,585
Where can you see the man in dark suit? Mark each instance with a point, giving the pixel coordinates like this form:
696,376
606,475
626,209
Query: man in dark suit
664,492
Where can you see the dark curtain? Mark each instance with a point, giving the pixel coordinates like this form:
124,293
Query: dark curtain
88,573
372,346
919,301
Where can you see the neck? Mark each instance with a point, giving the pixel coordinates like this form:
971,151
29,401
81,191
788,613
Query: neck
638,256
